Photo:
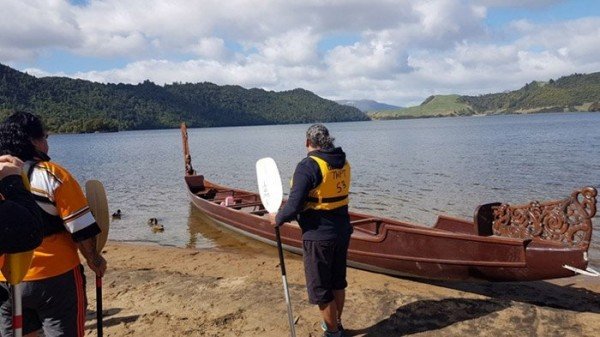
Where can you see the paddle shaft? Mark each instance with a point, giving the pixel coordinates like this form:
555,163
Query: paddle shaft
96,196
99,305
17,306
15,277
286,291
271,195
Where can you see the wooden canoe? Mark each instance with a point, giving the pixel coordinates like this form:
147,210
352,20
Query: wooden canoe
503,242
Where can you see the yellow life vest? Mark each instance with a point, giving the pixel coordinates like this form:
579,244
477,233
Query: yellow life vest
333,191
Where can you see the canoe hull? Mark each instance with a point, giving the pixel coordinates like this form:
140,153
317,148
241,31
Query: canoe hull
408,250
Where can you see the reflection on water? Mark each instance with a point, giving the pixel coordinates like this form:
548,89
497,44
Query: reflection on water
206,233
203,233
411,170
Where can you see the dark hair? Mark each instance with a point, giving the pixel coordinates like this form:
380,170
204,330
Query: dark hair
30,123
14,141
318,136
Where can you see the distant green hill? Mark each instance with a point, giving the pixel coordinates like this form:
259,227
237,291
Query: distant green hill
433,106
71,105
577,92
367,105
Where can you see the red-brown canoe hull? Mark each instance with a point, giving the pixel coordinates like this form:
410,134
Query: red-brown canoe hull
409,250
521,243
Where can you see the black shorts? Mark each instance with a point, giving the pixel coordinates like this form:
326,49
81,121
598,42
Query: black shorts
325,268
56,304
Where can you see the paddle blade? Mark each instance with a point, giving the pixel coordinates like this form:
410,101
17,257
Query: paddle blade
16,266
269,184
96,196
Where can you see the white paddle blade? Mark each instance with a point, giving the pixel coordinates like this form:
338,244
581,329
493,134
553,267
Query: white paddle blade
269,184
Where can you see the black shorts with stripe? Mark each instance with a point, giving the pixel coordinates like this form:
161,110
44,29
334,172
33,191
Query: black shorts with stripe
325,268
56,305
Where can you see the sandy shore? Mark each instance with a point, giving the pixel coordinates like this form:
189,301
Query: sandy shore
164,291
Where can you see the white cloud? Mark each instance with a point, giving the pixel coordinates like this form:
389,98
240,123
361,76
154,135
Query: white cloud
399,51
377,59
519,3
27,28
210,48
292,47
42,73
578,39
447,21
164,72
521,26
132,44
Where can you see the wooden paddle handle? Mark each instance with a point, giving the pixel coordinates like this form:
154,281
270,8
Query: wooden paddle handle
99,316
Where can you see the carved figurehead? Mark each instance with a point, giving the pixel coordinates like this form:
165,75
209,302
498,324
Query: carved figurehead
568,221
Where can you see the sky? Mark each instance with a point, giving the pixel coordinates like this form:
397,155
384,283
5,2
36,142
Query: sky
392,51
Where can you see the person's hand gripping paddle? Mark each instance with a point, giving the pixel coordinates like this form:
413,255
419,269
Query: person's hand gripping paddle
14,270
271,195
96,196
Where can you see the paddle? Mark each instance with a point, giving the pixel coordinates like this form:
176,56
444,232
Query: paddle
271,195
98,203
14,270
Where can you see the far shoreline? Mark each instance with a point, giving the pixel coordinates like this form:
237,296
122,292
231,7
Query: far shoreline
357,121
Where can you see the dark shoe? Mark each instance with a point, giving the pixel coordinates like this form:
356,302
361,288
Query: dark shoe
339,326
338,333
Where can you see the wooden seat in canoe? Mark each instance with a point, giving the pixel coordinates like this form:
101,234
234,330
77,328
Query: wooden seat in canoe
195,183
369,225
245,204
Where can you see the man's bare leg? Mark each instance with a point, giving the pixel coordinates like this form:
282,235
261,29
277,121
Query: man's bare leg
330,315
339,298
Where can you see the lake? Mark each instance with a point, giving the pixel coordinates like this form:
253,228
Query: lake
407,169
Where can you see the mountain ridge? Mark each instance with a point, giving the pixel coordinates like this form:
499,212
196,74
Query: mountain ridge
367,105
75,105
572,93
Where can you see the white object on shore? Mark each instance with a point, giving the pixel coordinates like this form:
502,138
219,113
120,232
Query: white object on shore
589,271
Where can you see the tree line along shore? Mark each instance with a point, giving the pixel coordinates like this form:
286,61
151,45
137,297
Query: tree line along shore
77,106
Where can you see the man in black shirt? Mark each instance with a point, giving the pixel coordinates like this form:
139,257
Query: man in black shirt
319,202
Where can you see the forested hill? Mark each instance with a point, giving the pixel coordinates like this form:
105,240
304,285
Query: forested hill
71,105
577,92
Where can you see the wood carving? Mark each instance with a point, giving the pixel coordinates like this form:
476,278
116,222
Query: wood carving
567,221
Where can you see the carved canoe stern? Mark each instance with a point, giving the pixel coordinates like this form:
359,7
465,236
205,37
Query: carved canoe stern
567,221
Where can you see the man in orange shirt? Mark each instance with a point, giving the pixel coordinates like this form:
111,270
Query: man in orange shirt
53,291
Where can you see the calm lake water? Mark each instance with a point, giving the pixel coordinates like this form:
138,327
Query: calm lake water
407,169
